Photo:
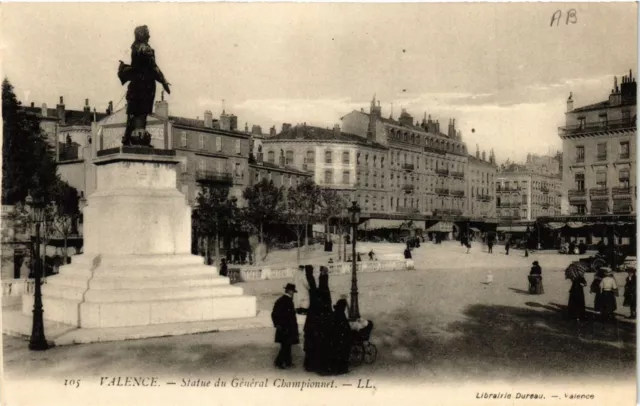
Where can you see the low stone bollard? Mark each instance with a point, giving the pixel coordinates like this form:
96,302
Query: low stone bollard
410,265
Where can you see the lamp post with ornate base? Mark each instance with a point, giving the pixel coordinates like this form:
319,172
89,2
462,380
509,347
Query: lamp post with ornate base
38,342
354,309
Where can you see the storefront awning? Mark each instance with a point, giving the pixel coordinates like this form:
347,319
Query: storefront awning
512,229
576,224
554,226
476,230
442,227
374,224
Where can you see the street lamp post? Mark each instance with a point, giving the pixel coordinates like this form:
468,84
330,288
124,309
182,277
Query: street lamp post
354,309
38,341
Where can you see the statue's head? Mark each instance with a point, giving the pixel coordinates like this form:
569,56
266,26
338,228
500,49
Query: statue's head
142,33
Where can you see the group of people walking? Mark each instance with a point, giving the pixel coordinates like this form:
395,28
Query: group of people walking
606,291
327,333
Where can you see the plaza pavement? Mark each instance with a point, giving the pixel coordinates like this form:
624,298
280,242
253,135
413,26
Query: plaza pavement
438,323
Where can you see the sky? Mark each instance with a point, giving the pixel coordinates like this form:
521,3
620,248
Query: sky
501,70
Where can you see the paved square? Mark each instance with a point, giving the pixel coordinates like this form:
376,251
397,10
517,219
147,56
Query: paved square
441,322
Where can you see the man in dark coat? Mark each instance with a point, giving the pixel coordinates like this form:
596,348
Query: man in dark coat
284,320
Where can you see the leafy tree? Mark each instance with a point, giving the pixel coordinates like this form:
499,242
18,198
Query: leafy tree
303,205
264,207
28,165
63,213
215,214
333,207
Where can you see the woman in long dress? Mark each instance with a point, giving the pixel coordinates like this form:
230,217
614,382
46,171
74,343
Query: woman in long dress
341,338
630,293
609,295
576,307
324,323
597,290
301,300
311,323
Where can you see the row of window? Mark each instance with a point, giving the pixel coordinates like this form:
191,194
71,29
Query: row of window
432,142
377,203
279,179
184,142
601,151
601,179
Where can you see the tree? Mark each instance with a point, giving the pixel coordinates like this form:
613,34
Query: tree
303,204
333,206
215,214
264,207
28,164
63,213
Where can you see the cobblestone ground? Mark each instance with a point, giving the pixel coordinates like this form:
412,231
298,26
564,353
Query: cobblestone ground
441,322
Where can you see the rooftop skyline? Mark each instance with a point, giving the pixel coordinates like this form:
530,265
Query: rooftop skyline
499,69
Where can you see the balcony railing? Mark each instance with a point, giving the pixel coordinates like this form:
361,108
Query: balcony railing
441,191
617,191
403,209
408,167
577,193
599,191
544,189
450,212
595,127
443,172
457,193
483,198
601,157
407,187
508,189
509,217
459,175
213,176
506,205
624,156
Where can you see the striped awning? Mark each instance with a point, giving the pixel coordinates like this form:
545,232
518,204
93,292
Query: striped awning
512,229
442,227
554,226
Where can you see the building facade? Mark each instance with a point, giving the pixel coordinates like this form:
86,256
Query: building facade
523,195
481,186
425,168
334,159
599,153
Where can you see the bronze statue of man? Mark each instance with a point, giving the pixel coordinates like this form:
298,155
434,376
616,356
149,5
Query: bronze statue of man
142,75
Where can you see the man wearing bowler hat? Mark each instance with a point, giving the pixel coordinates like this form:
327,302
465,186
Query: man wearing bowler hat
284,320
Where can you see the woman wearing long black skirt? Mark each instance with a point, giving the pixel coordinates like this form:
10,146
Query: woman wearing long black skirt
630,293
311,323
576,307
596,288
341,338
324,323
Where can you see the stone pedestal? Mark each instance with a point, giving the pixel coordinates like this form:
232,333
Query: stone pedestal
137,268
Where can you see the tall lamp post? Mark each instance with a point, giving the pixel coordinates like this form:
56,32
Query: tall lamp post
38,341
354,309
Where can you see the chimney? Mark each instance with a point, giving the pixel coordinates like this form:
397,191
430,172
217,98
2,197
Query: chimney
437,126
161,108
272,131
570,103
451,131
33,104
44,111
256,130
484,156
208,119
477,151
94,115
336,130
286,126
246,127
60,111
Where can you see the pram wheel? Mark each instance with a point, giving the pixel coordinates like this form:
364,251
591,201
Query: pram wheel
370,352
357,354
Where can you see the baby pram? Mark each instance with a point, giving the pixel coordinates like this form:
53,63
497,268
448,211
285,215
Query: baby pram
361,348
